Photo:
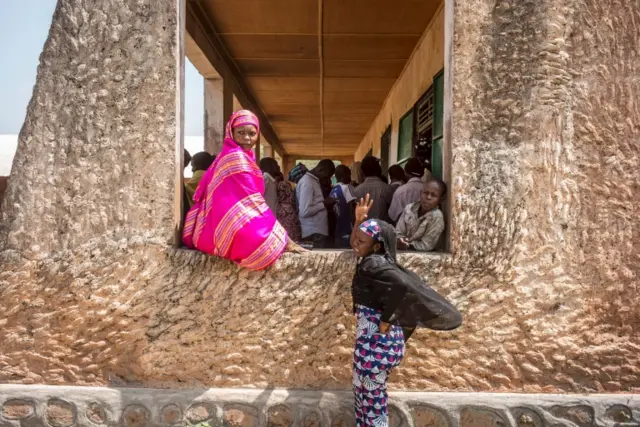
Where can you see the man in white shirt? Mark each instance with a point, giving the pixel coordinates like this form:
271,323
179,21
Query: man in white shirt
270,169
410,192
312,205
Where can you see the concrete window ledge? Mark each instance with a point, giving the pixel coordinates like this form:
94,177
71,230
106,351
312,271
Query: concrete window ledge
416,260
90,406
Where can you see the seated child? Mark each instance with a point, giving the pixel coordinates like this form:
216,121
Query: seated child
389,302
422,223
199,165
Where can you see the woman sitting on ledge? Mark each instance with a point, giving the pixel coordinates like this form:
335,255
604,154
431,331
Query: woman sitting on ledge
230,217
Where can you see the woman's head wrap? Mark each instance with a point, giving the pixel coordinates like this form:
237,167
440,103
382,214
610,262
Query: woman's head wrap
372,229
241,118
297,173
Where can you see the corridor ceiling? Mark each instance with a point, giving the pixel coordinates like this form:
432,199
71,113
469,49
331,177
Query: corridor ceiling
320,70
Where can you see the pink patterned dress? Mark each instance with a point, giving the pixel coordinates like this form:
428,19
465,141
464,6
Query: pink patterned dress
230,217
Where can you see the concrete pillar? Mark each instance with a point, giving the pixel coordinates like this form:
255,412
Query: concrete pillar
289,162
257,149
218,106
267,150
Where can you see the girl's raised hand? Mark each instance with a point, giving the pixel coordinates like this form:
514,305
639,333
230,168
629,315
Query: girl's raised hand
362,209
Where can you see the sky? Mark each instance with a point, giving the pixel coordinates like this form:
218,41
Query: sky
24,26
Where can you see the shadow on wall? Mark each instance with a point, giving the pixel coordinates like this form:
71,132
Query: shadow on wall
3,187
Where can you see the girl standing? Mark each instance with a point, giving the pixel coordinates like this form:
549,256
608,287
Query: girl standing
389,302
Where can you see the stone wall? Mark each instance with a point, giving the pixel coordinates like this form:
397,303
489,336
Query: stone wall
544,235
96,154
92,406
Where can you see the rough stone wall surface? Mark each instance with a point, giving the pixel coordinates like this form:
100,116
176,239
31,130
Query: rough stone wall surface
545,247
545,187
95,156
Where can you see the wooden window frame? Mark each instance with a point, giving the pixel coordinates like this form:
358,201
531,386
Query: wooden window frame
403,160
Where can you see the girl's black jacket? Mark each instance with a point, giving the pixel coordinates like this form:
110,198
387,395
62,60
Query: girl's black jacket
402,296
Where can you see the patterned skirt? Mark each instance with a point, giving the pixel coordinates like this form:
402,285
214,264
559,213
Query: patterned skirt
374,357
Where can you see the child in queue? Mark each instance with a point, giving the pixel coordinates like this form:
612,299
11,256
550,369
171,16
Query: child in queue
422,223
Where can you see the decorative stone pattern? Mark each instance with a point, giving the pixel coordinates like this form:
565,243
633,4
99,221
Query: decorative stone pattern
18,409
200,412
428,417
78,406
135,416
312,419
96,413
171,414
239,415
477,417
60,413
544,230
582,415
280,416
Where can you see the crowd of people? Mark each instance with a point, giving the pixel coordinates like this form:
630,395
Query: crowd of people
321,215
251,215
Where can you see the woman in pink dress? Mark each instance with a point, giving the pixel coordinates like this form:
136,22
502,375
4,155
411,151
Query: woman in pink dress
230,217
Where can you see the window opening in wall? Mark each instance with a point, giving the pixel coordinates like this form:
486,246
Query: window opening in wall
424,127
419,131
385,144
421,136
405,138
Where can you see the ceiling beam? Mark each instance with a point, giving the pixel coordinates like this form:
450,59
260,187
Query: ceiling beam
204,34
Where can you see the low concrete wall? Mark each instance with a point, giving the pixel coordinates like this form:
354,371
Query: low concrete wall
94,406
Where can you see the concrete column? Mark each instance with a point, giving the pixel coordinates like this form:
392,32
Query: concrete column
289,162
267,150
257,149
218,105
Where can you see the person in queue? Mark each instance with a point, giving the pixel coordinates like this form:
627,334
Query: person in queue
199,165
389,302
397,177
422,223
295,175
270,169
312,204
344,208
410,192
381,193
229,219
356,174
286,212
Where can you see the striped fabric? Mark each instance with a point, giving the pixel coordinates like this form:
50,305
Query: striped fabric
230,217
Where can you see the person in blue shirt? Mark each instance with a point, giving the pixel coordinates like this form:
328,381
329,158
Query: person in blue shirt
344,208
